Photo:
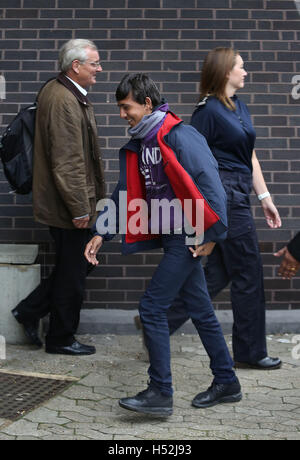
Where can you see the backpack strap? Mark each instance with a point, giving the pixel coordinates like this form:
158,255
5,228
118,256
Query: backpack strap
44,84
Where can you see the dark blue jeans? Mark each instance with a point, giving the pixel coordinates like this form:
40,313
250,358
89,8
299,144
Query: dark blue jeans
180,274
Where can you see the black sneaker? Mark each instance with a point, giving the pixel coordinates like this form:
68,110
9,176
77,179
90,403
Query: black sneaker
150,401
219,393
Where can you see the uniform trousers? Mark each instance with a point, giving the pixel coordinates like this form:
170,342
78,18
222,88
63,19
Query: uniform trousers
180,274
236,260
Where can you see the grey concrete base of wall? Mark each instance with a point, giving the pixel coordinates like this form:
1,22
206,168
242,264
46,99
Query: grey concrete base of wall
122,322
16,282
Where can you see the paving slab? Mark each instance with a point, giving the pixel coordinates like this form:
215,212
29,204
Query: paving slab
89,410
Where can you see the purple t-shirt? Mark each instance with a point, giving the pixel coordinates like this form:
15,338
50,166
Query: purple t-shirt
161,219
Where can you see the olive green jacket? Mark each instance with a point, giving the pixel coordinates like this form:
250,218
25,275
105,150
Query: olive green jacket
68,177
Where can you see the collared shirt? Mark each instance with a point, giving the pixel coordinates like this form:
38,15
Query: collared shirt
229,134
81,89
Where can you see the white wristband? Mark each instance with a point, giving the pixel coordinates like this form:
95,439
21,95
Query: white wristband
263,195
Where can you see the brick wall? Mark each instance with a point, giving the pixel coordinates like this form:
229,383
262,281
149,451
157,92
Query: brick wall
168,41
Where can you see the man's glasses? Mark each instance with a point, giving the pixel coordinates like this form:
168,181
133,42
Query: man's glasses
95,65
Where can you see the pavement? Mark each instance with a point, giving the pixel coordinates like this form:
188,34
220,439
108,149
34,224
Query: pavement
88,409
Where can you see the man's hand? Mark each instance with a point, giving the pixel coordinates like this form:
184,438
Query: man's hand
289,265
203,250
83,222
92,248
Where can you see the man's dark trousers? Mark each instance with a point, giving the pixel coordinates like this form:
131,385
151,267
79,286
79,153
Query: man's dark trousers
62,293
180,274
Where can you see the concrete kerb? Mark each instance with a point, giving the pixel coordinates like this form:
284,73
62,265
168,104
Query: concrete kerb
122,322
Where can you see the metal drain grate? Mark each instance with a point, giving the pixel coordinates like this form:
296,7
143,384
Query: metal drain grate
22,393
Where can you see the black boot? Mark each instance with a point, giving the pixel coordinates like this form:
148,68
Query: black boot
30,328
150,401
219,393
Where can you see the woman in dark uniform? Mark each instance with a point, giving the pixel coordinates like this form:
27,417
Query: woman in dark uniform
225,122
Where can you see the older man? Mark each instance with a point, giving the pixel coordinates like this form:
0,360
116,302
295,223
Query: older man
67,183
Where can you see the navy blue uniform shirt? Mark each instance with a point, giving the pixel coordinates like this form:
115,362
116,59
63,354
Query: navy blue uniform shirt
229,134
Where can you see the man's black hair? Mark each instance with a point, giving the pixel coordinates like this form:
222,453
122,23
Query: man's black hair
140,86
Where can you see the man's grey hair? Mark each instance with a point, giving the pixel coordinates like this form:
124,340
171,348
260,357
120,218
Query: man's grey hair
74,49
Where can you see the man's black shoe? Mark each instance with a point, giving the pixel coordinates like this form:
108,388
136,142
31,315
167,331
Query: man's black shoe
218,393
150,401
265,364
30,329
75,349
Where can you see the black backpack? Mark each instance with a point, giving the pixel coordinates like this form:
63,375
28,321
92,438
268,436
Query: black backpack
16,149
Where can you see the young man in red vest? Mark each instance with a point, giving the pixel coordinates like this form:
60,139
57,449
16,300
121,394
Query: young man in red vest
167,162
